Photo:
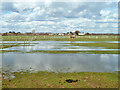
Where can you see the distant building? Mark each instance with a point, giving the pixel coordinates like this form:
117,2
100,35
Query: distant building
51,34
61,34
81,33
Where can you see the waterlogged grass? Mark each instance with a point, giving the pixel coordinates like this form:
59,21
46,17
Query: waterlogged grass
91,45
62,52
80,52
61,38
6,51
17,43
44,79
8,45
105,45
1,85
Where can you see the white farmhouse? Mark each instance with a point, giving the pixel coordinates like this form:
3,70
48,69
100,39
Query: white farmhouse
61,34
81,33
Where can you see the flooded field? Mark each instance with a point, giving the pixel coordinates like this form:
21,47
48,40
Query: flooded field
73,62
54,44
57,45
61,62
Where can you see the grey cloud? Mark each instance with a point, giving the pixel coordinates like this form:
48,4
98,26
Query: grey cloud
8,6
64,15
93,8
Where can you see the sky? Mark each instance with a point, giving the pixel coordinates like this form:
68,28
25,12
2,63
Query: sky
59,17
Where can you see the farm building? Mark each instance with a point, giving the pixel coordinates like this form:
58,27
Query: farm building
61,34
81,33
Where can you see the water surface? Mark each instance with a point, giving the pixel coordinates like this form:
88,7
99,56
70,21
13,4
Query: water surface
64,62
59,62
56,46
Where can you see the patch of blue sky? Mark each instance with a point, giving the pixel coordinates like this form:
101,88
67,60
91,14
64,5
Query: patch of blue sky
7,12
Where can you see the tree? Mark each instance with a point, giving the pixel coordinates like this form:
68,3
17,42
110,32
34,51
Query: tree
87,33
10,32
18,33
76,32
67,32
13,32
71,33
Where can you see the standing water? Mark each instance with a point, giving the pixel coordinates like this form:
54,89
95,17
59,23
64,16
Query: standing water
59,62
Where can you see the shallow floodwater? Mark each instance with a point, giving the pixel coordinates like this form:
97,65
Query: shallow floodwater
56,45
61,62
15,61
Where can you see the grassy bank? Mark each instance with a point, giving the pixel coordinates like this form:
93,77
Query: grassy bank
61,38
44,79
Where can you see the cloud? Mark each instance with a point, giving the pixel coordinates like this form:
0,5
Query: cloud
59,16
104,13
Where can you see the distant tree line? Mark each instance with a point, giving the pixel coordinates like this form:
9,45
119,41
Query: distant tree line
13,33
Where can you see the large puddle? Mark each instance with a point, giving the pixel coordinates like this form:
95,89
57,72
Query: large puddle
61,62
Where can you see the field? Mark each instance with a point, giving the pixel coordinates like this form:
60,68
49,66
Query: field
92,45
61,38
44,79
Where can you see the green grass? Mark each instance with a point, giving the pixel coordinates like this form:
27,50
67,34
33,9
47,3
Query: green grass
0,84
44,79
105,45
5,51
61,38
80,52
